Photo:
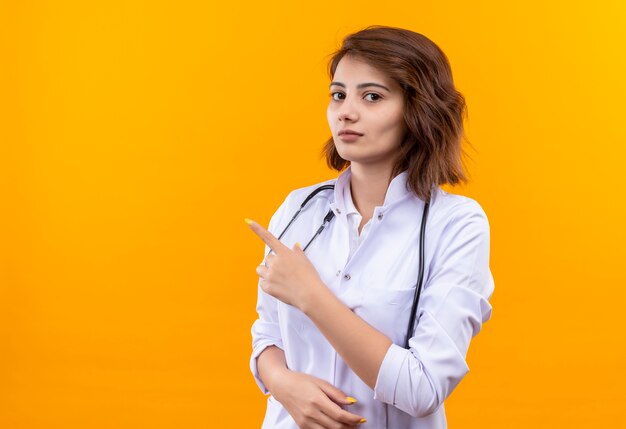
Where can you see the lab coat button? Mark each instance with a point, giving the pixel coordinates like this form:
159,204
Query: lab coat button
338,211
346,276
380,216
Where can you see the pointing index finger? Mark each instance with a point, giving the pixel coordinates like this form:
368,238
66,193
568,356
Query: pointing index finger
269,239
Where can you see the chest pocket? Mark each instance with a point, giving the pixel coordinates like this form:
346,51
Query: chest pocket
386,309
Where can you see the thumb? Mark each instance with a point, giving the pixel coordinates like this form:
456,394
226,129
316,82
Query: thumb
336,395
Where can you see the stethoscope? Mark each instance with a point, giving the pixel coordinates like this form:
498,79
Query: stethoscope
330,215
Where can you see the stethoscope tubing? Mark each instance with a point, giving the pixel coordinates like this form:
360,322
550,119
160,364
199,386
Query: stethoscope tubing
329,217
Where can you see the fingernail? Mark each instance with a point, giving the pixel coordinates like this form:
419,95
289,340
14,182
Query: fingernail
350,399
298,244
248,221
362,421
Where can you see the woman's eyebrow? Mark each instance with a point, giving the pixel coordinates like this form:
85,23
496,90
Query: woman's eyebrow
362,85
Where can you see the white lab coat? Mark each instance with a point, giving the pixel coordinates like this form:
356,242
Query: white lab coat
375,275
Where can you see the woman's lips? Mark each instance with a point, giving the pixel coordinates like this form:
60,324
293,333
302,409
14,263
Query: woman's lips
348,137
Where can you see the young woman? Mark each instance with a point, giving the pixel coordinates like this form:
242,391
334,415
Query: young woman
335,343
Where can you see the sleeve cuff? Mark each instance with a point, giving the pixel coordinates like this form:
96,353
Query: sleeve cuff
253,362
388,374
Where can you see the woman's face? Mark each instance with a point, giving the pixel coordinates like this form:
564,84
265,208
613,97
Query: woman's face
366,101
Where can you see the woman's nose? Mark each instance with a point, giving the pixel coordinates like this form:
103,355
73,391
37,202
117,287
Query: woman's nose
347,111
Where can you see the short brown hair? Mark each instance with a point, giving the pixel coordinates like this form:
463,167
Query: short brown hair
431,150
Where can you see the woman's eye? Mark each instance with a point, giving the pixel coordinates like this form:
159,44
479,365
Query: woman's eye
336,96
373,94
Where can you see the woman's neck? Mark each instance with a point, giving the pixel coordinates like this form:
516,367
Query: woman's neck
368,187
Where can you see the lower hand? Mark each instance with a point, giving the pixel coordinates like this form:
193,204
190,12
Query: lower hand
314,403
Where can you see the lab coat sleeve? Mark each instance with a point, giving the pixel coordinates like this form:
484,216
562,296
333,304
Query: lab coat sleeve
266,330
453,306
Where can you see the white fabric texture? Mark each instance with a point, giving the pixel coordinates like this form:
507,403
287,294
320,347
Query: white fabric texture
375,275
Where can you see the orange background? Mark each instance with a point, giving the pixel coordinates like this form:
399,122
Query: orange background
136,136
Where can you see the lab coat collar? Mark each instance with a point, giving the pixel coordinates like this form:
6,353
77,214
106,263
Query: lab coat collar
343,204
